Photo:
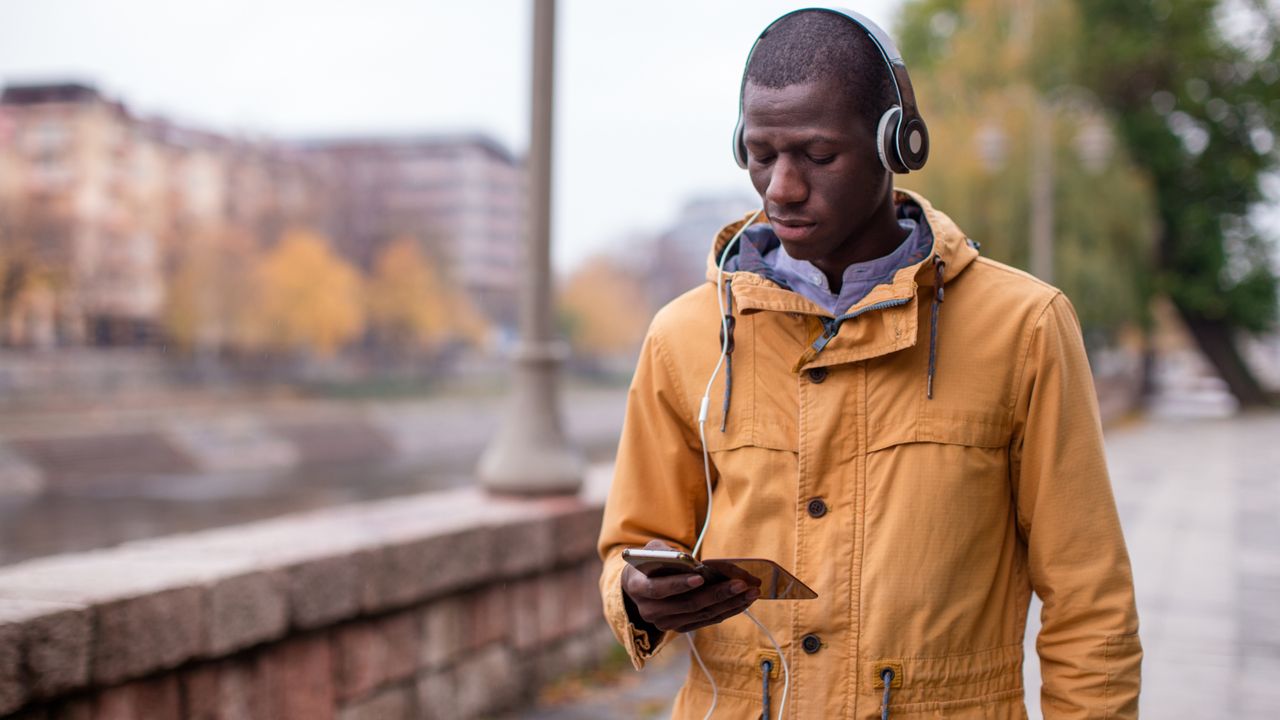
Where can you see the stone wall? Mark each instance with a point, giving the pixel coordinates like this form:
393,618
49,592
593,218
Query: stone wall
448,605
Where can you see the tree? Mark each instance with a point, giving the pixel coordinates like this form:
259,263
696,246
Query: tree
28,298
306,298
995,83
412,306
604,308
209,292
35,270
1194,88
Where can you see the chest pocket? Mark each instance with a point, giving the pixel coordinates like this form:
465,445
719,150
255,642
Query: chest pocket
977,428
951,463
764,403
771,426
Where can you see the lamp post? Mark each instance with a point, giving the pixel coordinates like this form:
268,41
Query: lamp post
1093,144
1042,205
530,455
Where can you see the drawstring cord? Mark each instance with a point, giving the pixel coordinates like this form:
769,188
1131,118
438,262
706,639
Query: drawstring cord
766,667
939,267
887,676
726,341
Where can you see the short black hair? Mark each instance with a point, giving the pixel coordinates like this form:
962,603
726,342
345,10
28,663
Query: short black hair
816,45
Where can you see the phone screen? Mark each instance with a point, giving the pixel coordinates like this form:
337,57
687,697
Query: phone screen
773,581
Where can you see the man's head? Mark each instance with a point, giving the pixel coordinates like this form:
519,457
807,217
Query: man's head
815,89
818,45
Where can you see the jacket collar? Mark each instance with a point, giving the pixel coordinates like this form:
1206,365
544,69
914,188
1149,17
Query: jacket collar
949,243
894,325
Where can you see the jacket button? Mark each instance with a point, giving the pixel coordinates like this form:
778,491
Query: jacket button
817,508
817,375
811,643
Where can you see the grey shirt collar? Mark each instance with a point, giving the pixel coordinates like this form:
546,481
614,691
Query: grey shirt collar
805,278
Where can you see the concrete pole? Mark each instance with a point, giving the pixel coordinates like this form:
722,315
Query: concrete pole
529,455
1042,192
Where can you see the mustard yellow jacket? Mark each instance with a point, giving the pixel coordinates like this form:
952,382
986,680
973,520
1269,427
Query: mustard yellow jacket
938,516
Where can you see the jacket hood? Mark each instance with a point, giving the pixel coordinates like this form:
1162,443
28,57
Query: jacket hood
949,244
747,292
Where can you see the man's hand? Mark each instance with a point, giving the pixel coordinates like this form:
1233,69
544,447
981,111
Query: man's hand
684,602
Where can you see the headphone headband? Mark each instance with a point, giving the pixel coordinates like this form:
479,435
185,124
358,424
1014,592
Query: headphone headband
904,140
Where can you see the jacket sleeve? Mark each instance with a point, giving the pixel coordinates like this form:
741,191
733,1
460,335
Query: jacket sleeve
1090,654
657,492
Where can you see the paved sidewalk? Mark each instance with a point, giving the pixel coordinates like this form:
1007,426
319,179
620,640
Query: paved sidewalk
1200,504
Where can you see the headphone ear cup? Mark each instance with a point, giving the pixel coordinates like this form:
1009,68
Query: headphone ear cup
739,144
887,140
913,144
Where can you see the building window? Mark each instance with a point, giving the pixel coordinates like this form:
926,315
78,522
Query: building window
47,136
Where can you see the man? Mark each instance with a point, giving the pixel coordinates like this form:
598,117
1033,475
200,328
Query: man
909,428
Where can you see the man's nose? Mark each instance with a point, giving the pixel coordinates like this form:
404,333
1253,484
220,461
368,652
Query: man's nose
787,185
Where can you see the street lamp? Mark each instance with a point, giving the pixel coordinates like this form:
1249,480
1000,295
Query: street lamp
1093,142
530,455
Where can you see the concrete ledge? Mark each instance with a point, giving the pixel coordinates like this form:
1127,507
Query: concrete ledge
375,606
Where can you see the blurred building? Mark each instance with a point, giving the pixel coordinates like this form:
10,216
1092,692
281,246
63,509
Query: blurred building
96,202
99,206
462,196
678,255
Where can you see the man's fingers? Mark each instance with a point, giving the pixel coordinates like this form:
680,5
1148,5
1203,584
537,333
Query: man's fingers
712,615
702,609
678,597
641,587
671,585
685,600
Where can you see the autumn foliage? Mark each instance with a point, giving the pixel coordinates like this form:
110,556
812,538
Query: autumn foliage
307,298
411,305
604,308
995,88
302,298
210,293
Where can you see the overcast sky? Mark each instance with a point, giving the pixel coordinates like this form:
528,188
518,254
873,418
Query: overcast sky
646,91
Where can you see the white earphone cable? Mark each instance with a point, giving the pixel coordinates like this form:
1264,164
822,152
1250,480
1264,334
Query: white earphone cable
724,352
706,469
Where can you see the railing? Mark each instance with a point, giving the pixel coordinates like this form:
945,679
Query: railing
455,604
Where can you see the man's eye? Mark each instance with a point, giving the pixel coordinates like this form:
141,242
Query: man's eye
821,159
763,159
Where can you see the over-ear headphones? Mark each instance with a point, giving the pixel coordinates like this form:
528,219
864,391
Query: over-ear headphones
902,137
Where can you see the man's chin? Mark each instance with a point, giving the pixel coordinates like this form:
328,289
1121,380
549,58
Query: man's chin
807,250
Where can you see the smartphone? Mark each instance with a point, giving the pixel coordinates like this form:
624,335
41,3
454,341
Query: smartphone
773,581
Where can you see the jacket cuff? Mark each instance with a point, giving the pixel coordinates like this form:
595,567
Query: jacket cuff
640,646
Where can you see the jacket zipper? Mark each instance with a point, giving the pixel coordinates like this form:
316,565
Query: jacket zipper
831,326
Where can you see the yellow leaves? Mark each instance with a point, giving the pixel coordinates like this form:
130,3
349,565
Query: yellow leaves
29,289
307,298
182,315
605,308
210,292
412,305
301,297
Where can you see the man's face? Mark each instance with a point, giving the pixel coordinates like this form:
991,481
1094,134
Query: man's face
815,167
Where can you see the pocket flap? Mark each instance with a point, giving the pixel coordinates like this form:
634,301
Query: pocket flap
972,428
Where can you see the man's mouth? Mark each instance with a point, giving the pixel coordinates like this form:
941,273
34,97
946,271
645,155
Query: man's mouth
792,229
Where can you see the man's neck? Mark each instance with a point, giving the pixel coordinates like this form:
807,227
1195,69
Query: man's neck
879,236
